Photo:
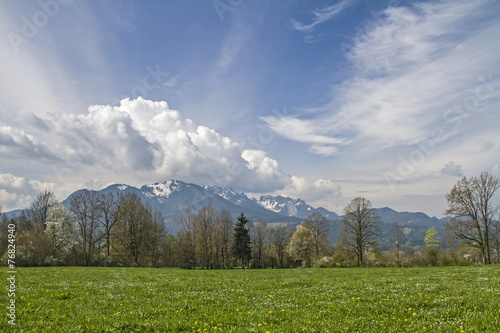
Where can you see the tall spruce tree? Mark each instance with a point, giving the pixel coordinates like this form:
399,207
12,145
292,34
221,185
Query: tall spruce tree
242,249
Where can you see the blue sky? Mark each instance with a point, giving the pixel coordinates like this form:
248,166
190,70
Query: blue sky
327,100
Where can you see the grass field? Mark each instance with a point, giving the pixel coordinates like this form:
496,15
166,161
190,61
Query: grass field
77,299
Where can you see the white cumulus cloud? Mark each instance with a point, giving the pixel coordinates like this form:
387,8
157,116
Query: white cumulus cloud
137,142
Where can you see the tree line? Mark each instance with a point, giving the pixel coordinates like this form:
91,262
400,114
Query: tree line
120,230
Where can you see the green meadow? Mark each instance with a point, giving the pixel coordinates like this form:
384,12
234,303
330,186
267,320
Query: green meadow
79,299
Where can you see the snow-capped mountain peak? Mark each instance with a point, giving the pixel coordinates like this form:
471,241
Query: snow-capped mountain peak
291,207
228,194
162,190
281,205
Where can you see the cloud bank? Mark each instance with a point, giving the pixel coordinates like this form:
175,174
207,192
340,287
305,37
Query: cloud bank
140,141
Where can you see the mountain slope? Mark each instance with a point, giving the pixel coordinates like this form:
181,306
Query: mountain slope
293,207
407,219
172,198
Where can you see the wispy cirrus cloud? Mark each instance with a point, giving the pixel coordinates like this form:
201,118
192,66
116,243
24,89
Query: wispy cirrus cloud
321,15
307,131
408,69
233,44
423,89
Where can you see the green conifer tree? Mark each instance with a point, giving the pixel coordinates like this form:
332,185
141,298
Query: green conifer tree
242,249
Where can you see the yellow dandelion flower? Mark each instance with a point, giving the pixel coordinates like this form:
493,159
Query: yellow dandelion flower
409,309
259,325
406,319
270,312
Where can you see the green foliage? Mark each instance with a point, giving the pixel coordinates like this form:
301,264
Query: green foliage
33,248
432,240
301,244
432,257
101,299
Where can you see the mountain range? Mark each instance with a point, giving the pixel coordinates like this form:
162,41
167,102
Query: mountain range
172,198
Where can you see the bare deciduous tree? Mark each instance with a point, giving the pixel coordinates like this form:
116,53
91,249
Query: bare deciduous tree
318,224
205,222
279,238
397,239
155,233
136,228
360,228
85,211
223,238
496,238
109,206
470,205
259,241
186,240
36,215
